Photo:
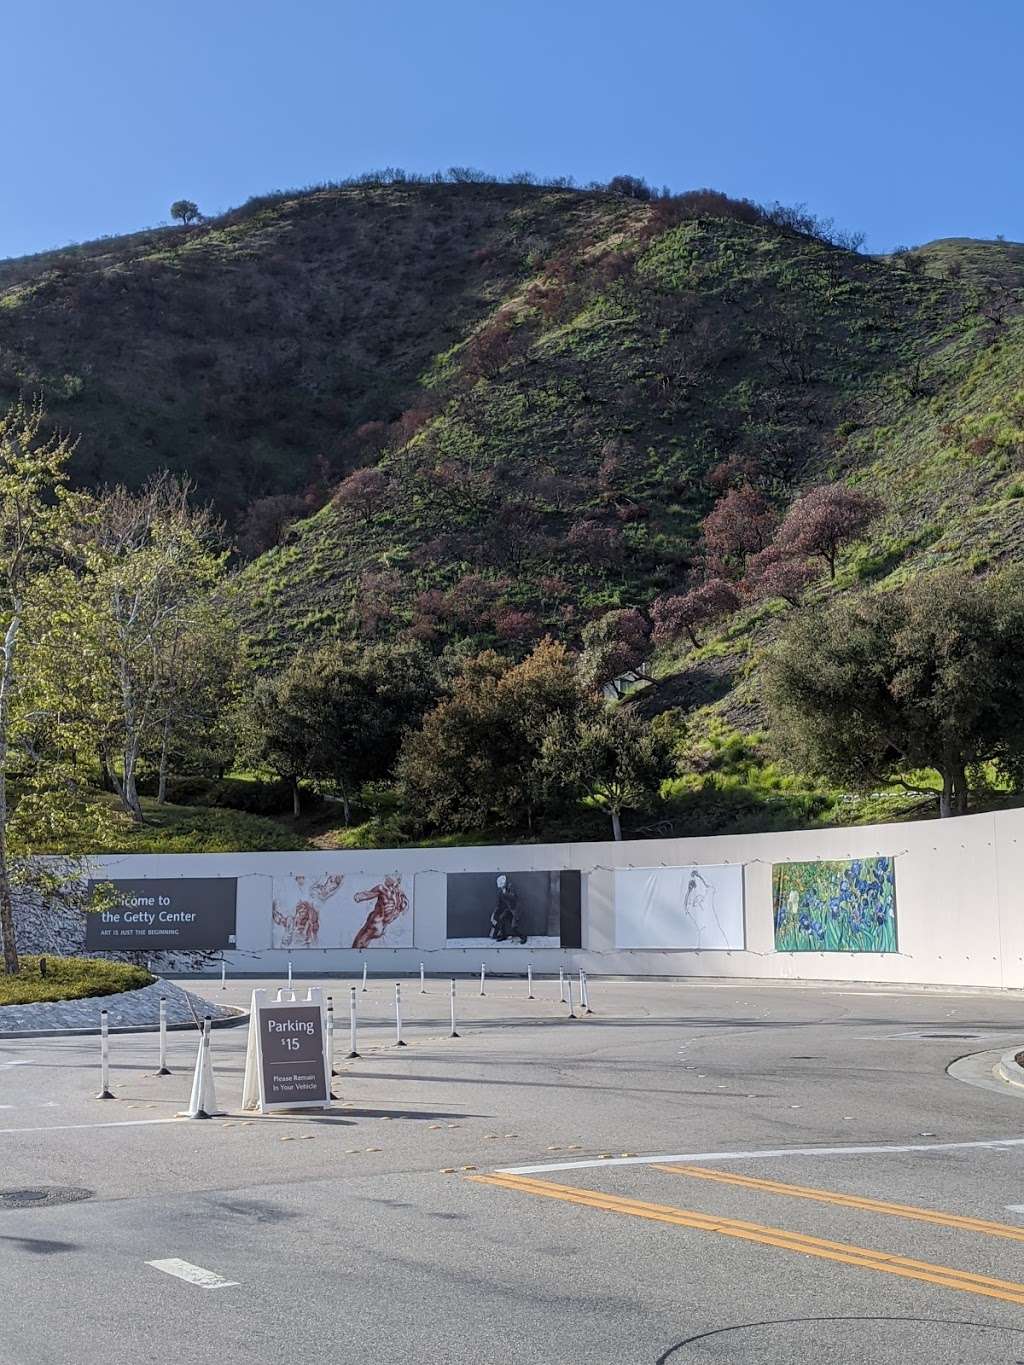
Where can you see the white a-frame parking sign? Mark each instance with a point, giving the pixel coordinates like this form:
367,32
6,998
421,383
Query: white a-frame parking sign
286,1063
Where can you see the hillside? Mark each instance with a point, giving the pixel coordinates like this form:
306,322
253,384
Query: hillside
249,351
533,385
560,452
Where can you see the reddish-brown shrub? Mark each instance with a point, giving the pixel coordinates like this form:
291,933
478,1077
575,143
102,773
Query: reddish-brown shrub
740,524
513,624
362,491
675,615
771,573
597,545
825,519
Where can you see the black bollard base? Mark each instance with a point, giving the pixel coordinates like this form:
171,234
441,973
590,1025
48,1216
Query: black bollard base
104,1095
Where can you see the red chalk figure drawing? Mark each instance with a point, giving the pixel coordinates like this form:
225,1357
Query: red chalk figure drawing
390,904
297,917
330,911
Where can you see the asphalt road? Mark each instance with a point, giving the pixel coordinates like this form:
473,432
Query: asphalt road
695,1172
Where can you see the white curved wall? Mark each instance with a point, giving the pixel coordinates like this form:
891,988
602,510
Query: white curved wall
959,890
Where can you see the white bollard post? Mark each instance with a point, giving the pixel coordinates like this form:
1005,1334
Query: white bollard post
569,984
453,1034
585,993
164,1068
423,989
330,1038
352,1050
203,1100
483,972
561,985
364,976
105,1092
529,979
289,973
398,1016
223,975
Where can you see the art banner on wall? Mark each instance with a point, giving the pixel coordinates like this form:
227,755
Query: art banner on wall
679,907
339,910
835,907
514,909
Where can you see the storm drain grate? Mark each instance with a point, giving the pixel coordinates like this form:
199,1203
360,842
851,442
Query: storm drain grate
42,1195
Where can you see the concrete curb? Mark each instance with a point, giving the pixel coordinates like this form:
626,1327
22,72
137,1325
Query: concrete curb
235,1021
1007,1069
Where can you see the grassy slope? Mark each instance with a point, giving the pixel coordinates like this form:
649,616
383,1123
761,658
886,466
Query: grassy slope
713,338
243,350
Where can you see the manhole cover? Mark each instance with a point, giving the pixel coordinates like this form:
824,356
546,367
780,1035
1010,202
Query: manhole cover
42,1194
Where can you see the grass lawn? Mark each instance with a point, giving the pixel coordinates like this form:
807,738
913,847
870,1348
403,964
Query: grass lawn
69,978
202,829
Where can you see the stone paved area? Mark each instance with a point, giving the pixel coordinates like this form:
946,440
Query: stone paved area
126,1009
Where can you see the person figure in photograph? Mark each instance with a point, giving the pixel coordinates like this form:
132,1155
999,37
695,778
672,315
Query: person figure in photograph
505,918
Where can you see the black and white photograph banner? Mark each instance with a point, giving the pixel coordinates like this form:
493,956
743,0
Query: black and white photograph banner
679,907
514,909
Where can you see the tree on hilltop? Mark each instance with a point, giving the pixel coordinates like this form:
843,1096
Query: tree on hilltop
186,210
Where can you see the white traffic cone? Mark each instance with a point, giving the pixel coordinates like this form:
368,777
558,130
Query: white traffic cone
203,1100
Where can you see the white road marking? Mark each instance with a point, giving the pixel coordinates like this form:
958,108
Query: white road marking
994,1144
194,1274
1015,1208
66,1127
6,1066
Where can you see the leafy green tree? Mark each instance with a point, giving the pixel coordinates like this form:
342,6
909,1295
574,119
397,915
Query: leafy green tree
615,757
152,567
477,758
41,803
337,715
874,688
615,646
185,210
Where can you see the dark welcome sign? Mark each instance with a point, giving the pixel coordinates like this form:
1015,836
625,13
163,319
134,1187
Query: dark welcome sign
151,914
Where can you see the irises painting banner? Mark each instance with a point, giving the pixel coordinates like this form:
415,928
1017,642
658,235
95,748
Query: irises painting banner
847,907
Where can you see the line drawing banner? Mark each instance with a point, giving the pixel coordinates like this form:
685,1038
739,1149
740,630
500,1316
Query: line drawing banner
679,907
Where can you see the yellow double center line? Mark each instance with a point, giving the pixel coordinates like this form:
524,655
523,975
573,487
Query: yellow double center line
865,1258
851,1201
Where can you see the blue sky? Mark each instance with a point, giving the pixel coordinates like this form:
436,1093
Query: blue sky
900,119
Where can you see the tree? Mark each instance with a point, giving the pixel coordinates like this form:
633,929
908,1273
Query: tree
38,741
615,645
614,757
276,735
476,759
871,689
185,210
774,574
701,606
337,715
630,187
825,519
741,523
363,491
152,563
